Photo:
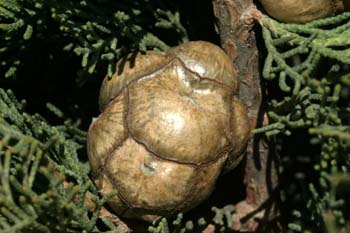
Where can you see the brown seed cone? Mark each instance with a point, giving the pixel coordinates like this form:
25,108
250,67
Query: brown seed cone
299,11
169,124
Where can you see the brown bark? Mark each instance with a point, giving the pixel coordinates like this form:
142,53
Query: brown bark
235,25
104,213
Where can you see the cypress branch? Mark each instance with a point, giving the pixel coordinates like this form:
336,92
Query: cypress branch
309,63
43,185
96,27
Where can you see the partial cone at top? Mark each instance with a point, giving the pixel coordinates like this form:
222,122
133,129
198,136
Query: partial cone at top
300,11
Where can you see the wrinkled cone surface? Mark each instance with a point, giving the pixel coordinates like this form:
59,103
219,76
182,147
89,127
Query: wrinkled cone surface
170,123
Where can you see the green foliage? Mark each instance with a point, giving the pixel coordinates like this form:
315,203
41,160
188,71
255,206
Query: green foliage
221,220
44,187
308,72
99,31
